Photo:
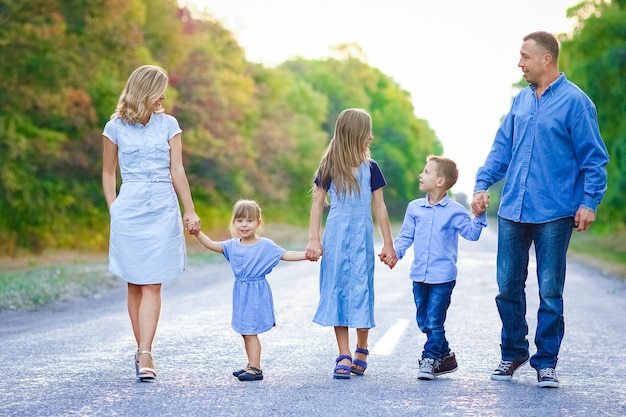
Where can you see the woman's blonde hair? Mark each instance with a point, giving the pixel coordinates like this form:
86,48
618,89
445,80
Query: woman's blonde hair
144,87
348,148
245,209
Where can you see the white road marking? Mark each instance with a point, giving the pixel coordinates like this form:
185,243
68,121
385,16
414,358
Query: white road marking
388,342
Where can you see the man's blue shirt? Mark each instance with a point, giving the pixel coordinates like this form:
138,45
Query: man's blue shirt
434,233
550,153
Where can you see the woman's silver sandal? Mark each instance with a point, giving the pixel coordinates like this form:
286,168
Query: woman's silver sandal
145,374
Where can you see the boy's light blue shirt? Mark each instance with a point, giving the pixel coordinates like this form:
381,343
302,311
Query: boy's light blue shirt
434,233
550,153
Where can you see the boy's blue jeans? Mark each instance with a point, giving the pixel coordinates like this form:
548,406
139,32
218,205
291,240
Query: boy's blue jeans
432,302
551,241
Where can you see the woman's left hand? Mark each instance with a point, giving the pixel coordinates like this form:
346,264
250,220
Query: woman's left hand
191,221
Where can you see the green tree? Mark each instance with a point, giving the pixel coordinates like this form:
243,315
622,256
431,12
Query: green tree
288,133
402,141
214,105
62,61
249,131
594,57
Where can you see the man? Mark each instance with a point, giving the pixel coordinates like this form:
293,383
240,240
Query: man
553,161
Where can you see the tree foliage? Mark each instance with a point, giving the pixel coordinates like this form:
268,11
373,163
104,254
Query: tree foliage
248,130
594,57
402,141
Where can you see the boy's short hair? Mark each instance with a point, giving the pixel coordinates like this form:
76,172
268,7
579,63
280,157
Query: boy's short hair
446,168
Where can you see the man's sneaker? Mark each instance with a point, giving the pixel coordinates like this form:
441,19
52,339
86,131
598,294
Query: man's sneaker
505,370
446,365
547,378
427,366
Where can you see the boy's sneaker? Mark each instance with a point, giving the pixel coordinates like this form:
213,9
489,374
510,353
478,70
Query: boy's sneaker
445,365
427,366
547,378
505,370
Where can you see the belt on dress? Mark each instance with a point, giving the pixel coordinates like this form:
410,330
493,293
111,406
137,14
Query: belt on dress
248,279
151,180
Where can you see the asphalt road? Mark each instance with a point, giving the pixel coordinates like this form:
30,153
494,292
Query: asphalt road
75,358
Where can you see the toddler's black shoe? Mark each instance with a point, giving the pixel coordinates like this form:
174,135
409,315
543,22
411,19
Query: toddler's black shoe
241,371
252,374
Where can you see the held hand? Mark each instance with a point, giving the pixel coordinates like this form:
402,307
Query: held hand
191,222
480,202
583,219
192,231
316,256
388,256
314,250
478,210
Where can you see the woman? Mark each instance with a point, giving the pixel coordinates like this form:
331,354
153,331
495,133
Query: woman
147,245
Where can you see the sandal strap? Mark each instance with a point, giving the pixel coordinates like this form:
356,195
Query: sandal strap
342,357
344,367
146,373
360,363
253,370
361,350
144,370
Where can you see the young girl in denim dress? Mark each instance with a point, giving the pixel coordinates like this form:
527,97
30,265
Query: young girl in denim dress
353,182
251,258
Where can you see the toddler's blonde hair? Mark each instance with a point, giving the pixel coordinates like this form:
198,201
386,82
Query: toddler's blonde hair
245,209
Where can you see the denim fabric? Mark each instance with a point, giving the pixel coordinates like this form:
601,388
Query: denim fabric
551,241
347,268
547,147
432,302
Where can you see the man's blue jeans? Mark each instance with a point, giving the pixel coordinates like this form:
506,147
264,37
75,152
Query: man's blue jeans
551,241
432,302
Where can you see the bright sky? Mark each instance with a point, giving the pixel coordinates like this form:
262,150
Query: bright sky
457,58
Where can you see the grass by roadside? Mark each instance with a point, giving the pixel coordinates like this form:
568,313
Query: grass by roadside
31,287
29,282
605,252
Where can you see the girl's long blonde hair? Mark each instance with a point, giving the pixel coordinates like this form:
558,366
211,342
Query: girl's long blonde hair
144,87
348,148
245,209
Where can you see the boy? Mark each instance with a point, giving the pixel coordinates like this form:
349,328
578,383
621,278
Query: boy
432,225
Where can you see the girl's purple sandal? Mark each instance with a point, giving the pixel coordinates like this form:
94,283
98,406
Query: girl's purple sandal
337,374
362,364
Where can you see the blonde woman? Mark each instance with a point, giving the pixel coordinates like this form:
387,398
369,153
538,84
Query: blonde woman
353,183
147,245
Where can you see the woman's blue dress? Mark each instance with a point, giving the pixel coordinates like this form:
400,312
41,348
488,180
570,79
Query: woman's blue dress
347,265
253,305
147,243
